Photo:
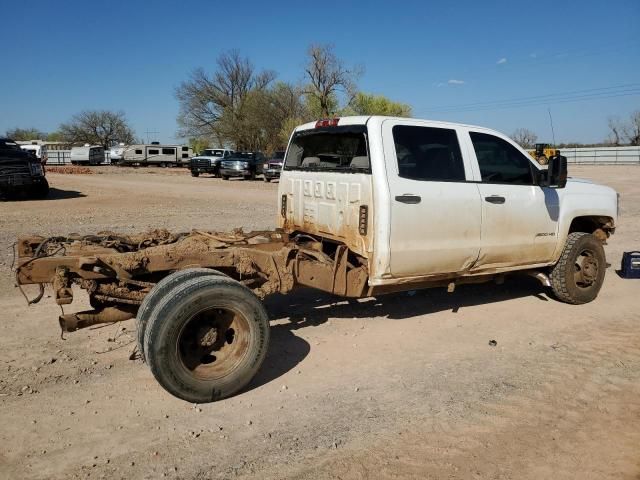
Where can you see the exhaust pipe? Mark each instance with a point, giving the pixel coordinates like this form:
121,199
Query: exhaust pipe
75,321
542,277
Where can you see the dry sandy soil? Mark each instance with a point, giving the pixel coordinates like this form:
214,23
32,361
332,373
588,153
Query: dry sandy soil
402,386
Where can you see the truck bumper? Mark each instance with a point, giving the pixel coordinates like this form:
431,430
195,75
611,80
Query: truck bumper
232,172
212,170
271,174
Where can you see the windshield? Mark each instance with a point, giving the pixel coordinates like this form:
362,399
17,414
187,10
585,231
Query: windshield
332,149
213,153
277,156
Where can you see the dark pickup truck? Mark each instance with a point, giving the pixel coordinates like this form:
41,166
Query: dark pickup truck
242,164
21,173
273,166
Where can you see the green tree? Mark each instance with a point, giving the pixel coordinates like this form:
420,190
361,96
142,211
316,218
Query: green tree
198,144
98,127
369,104
24,134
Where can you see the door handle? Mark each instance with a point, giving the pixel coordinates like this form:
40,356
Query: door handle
495,199
411,199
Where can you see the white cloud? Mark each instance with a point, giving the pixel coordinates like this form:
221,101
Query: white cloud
501,61
453,81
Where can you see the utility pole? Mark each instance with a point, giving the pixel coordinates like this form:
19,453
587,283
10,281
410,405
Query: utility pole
553,133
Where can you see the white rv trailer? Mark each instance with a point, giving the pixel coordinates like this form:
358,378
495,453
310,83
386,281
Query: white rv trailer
87,155
156,154
37,147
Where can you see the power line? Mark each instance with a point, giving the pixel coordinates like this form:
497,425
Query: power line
564,97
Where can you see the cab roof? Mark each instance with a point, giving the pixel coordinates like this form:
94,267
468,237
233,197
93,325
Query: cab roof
364,119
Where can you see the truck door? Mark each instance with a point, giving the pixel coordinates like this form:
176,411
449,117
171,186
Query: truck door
519,218
435,212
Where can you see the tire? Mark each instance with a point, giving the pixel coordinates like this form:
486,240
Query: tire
224,177
206,339
41,190
159,291
195,174
579,274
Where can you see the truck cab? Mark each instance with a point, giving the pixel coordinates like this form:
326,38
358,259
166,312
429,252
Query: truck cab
424,200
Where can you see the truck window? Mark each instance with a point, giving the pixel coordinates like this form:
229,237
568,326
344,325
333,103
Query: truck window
426,153
338,149
499,161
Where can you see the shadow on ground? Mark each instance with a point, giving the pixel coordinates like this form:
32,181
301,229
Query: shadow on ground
59,194
310,308
54,194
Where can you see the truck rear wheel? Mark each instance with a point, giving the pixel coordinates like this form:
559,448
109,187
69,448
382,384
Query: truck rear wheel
195,174
161,289
579,274
206,339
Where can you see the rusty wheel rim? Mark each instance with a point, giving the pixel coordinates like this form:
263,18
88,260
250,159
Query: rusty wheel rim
213,343
585,269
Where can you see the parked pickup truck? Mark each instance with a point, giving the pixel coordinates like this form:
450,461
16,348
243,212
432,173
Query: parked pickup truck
209,161
273,166
242,164
366,206
21,172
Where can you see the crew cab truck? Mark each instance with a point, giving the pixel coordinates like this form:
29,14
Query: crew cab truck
366,206
21,172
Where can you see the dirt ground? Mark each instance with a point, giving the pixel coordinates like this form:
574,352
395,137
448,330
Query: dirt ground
400,386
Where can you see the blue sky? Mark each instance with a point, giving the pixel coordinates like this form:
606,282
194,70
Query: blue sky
439,57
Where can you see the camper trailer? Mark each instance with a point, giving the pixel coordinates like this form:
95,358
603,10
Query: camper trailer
156,154
36,147
87,155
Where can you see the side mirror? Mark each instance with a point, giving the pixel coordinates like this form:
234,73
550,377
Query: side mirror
556,174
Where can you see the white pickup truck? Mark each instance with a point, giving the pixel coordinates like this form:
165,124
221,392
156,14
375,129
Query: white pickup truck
366,206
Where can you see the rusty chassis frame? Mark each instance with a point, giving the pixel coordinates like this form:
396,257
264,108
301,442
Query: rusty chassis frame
117,271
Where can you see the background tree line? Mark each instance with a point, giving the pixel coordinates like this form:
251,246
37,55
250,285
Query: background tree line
95,127
238,106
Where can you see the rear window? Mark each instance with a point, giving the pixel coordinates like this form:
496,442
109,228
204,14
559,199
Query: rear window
338,149
213,153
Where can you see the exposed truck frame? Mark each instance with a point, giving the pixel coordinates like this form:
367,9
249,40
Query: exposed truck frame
196,296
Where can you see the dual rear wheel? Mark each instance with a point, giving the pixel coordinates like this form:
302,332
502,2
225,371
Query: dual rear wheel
203,335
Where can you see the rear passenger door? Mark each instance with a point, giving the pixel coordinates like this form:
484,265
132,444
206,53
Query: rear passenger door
519,218
435,212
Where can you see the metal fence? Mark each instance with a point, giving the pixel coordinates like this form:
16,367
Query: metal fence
63,157
603,155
